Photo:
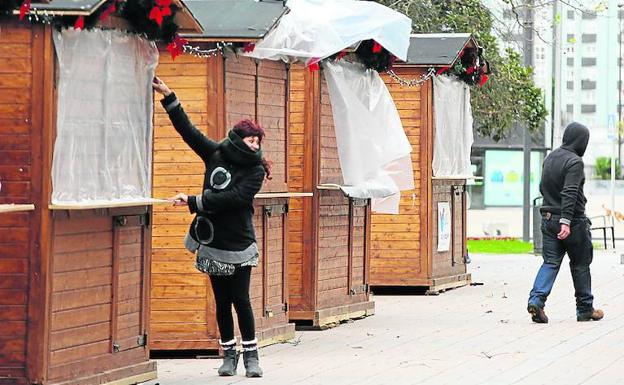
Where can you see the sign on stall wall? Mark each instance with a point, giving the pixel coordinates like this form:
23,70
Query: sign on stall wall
444,226
504,176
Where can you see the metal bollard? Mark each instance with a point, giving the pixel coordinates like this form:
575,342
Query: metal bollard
537,226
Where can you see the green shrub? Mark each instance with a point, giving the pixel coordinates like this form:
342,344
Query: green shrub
603,168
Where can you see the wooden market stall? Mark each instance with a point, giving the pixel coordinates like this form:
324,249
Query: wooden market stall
217,88
404,249
73,299
330,233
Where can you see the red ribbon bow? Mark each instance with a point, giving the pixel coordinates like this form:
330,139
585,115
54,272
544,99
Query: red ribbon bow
376,47
442,70
160,11
313,64
176,47
79,24
109,11
24,9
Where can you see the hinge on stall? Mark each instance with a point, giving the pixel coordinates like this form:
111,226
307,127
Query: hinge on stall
120,221
142,340
359,289
275,210
145,220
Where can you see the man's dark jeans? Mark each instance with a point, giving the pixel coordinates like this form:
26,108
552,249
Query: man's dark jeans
580,250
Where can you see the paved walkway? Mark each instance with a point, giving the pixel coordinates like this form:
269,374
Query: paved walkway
473,335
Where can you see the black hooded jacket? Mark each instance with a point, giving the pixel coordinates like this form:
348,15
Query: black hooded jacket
234,175
563,176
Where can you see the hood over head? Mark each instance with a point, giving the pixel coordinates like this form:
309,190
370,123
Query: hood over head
575,138
236,151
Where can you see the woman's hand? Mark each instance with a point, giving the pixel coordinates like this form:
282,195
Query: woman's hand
160,87
180,200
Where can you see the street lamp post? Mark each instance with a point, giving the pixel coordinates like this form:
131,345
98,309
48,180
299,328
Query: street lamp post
617,127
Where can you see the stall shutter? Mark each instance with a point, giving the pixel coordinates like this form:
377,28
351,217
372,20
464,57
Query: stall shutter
129,329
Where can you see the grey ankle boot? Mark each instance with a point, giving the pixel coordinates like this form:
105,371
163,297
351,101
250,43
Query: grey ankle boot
252,363
230,362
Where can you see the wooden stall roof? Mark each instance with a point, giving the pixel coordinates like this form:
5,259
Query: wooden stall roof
235,20
184,18
437,49
68,7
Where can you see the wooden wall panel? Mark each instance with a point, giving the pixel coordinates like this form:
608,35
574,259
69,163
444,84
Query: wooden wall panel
97,298
258,92
330,171
399,248
180,295
297,164
240,90
272,115
17,177
16,77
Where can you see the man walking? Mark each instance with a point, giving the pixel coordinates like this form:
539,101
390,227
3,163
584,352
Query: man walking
565,228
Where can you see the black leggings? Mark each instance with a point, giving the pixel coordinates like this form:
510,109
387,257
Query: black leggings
231,290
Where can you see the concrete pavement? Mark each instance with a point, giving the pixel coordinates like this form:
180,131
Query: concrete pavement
476,335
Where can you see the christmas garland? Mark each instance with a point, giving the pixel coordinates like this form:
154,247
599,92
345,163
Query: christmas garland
7,7
472,67
374,56
369,52
153,19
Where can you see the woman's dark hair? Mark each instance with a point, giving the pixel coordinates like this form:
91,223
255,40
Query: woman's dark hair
248,127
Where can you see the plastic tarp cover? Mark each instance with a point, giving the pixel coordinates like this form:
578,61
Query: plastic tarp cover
103,148
453,136
373,149
316,29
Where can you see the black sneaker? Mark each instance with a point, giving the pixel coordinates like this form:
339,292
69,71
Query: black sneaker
537,314
595,315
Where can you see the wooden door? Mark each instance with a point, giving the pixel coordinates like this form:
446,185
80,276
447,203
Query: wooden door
130,277
358,250
269,281
459,225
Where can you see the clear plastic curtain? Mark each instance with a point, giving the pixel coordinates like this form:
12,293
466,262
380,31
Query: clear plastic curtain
453,136
373,149
103,148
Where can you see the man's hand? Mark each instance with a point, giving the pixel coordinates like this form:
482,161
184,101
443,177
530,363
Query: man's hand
565,231
160,87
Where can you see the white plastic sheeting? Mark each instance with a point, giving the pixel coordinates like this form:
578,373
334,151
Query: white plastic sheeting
373,149
103,148
453,136
316,29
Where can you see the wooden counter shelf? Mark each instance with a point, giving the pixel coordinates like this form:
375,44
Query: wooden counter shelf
15,208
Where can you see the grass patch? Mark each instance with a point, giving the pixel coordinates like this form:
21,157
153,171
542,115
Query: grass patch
499,246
